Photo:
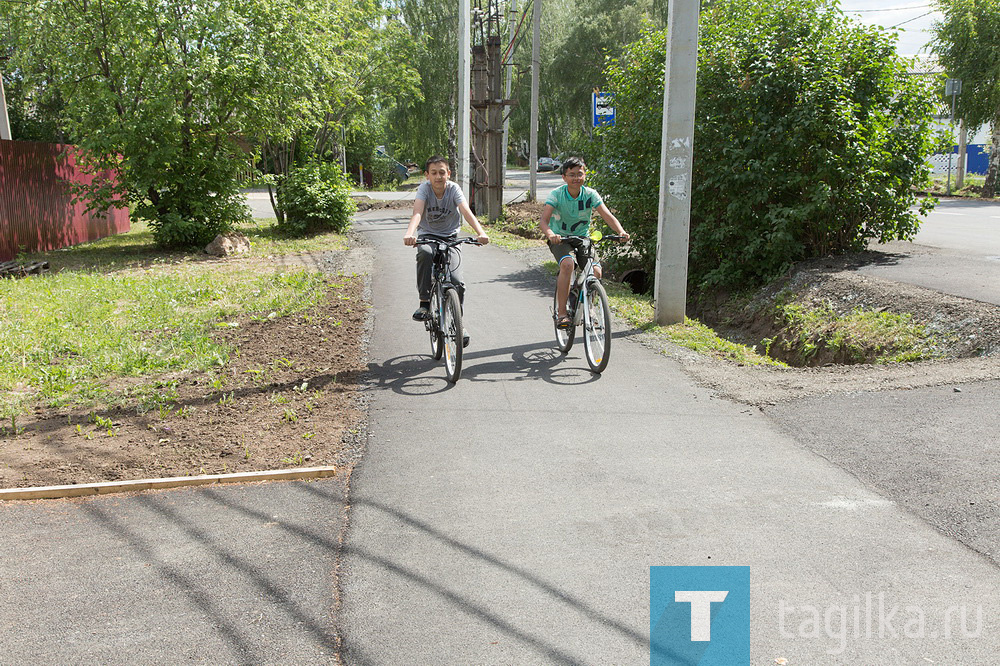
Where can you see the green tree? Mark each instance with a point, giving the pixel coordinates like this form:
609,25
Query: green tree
578,39
968,44
174,92
359,62
809,137
421,122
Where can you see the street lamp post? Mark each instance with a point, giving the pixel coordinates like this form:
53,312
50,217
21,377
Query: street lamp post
952,87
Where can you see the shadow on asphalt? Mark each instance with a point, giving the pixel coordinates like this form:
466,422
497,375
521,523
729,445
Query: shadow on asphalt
419,374
232,629
352,654
534,280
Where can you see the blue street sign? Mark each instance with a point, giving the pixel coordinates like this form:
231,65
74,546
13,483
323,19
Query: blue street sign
603,105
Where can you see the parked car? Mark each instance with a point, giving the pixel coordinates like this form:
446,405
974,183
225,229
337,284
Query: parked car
548,164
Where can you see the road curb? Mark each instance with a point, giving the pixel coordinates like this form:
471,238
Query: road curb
108,487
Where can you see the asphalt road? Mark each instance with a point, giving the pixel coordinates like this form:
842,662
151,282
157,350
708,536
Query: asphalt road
512,518
956,251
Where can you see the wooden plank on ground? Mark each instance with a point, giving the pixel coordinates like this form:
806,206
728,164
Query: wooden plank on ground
90,489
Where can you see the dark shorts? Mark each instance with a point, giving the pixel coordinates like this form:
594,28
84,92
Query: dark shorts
561,250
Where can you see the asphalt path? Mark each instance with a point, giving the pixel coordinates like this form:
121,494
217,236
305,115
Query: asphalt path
956,251
512,518
221,575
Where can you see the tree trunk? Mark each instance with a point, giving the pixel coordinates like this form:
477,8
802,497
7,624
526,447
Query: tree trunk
993,172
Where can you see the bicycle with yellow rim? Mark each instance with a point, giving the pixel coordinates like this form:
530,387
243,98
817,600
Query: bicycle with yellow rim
587,306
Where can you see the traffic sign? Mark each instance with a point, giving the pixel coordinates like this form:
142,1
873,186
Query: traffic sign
603,106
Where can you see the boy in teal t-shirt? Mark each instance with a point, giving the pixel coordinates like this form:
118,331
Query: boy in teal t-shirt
567,212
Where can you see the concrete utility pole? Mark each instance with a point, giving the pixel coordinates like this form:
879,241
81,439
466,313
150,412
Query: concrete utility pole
677,151
4,122
536,49
464,73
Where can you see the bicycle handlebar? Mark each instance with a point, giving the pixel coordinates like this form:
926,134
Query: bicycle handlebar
449,243
579,240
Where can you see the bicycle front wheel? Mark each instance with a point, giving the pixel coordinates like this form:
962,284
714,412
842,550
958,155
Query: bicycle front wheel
564,336
451,329
597,326
434,327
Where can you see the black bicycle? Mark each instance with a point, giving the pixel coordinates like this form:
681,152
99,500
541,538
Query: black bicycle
445,321
587,304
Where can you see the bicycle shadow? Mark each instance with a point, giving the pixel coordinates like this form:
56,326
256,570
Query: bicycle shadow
419,374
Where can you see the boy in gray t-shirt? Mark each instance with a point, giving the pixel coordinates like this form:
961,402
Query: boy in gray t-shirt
437,213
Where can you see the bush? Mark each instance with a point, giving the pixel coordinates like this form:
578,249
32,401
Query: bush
316,197
809,137
191,211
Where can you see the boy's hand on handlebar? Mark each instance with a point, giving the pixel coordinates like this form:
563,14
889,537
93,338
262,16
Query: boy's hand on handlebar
625,236
409,240
554,239
483,239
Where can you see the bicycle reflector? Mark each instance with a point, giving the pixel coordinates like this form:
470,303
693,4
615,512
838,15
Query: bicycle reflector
596,235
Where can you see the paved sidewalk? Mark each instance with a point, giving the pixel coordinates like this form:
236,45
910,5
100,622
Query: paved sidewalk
512,518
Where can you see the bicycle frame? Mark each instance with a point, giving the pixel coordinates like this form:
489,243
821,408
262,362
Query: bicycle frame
581,276
445,321
586,292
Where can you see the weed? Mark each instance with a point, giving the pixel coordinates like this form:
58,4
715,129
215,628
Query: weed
858,336
279,399
228,398
296,460
290,416
308,435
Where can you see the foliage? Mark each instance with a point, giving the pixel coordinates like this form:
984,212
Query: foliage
809,137
577,40
317,198
362,58
32,119
859,336
967,43
421,122
180,96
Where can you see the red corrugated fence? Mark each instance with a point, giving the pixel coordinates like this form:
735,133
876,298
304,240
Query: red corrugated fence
36,206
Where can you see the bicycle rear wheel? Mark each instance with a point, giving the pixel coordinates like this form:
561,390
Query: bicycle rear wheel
564,336
434,327
597,326
451,329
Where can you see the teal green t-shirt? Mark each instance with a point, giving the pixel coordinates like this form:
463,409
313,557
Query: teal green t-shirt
571,217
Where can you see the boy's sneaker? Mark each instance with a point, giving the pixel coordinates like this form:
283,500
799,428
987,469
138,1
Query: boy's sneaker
465,340
422,314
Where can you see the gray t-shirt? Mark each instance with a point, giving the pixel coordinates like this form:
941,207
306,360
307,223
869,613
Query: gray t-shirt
441,216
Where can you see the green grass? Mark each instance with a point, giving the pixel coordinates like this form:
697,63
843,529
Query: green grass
505,239
638,311
120,307
136,248
858,336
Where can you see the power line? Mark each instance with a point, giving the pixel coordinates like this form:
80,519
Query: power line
888,9
910,20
